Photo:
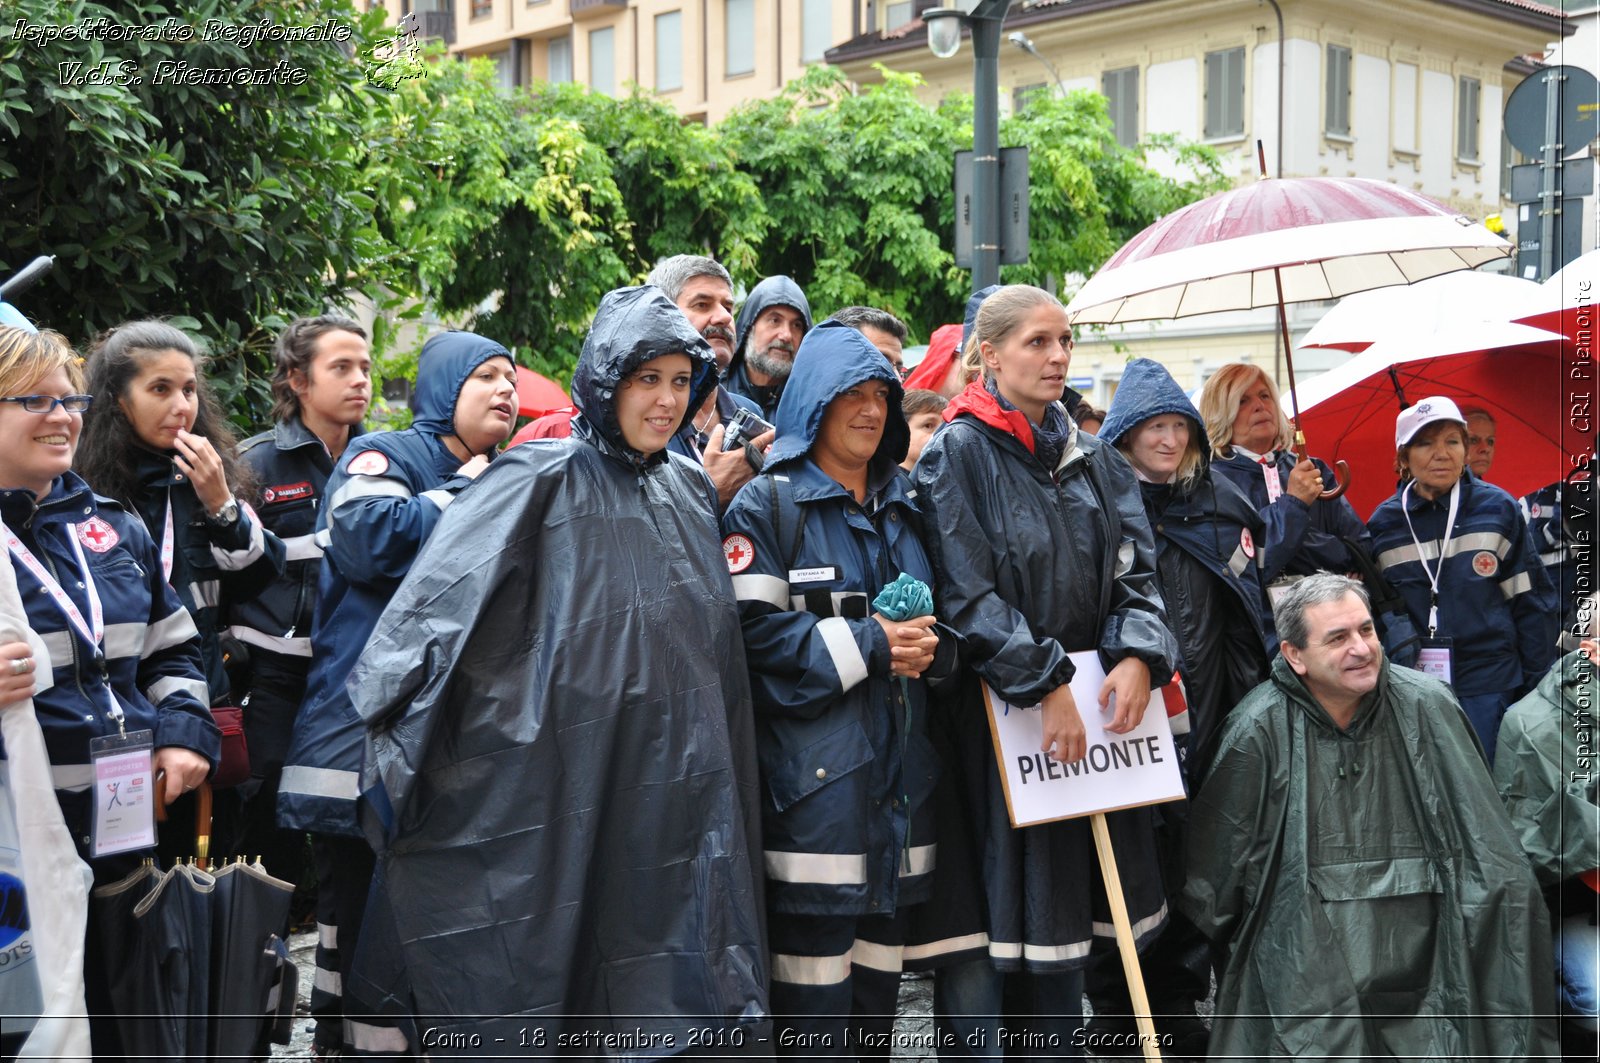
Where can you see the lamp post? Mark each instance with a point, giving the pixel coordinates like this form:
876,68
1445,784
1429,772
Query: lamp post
1023,41
984,18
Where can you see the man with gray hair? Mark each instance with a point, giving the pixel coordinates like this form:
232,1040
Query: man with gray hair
1352,864
703,290
882,329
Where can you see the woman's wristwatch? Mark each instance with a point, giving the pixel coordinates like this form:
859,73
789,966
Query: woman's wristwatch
227,515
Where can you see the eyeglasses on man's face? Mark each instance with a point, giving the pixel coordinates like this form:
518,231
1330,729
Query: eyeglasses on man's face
48,403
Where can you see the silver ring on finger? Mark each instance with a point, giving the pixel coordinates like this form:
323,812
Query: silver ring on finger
22,666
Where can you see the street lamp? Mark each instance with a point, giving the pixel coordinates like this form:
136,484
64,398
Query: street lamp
1023,41
984,18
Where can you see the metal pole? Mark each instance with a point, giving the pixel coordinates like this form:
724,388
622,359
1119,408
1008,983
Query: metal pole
1550,196
985,152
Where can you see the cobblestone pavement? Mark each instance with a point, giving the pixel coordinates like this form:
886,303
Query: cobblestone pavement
913,1039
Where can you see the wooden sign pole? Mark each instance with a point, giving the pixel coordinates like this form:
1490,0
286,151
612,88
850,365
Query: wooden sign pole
1125,943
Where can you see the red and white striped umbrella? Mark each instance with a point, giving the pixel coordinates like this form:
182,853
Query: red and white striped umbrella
1282,240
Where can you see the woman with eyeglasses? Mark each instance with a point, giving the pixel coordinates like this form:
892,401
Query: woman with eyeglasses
113,659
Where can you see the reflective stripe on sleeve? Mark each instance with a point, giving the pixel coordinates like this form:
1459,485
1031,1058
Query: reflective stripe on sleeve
301,548
439,498
1521,583
206,593
238,560
167,685
841,643
176,629
755,587
827,869
124,640
359,486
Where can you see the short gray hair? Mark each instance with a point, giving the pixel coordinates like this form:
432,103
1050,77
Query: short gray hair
672,274
871,317
1289,615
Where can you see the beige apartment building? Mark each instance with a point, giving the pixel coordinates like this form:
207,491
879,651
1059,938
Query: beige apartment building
703,56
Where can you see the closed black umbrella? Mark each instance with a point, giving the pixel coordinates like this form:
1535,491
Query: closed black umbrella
248,909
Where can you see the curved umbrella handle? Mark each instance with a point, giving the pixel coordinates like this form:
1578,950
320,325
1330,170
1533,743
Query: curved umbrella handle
1341,480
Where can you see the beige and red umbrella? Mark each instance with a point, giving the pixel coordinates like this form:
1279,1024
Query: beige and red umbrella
1280,241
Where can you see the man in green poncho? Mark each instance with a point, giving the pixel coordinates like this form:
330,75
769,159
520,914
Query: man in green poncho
1350,858
1547,774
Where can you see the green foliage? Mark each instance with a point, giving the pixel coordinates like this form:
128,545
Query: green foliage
231,207
234,208
858,190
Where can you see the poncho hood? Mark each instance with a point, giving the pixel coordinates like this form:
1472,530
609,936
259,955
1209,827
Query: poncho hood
777,290
633,326
1147,390
832,359
447,360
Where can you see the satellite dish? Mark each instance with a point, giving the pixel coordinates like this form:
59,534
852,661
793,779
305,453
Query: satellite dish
1577,110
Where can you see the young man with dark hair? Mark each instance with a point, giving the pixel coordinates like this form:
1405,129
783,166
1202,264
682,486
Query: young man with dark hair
321,387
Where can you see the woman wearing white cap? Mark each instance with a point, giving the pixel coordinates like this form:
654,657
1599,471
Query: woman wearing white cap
1458,551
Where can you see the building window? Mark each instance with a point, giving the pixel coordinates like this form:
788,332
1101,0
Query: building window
739,36
1467,119
1023,95
504,76
559,59
816,29
1121,88
482,8
669,51
1224,94
897,15
1336,118
602,60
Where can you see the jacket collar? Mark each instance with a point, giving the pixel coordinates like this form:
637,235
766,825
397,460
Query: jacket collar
811,484
70,500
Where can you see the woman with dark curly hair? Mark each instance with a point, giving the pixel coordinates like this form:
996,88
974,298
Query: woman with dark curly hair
155,440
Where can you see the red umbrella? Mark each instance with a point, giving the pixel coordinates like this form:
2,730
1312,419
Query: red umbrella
1354,406
538,394
1279,241
1569,298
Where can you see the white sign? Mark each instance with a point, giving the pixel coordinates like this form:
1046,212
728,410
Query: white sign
1119,771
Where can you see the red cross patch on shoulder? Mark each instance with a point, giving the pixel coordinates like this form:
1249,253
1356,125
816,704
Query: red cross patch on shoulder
1247,543
368,463
1485,563
740,552
97,535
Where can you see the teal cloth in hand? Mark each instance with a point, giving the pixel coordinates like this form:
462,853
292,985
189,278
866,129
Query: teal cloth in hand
905,599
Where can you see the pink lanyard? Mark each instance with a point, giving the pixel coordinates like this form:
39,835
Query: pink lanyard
166,541
93,630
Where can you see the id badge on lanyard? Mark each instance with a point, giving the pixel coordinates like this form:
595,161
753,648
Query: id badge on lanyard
1435,659
1269,474
124,792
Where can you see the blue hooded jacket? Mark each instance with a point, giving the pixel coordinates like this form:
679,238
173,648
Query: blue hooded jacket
1206,532
807,560
773,291
383,501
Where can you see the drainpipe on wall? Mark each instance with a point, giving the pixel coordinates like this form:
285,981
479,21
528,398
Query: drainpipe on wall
1277,341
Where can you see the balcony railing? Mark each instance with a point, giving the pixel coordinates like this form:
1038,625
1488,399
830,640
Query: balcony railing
439,25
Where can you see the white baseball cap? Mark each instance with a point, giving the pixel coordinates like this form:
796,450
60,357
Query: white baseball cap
1414,419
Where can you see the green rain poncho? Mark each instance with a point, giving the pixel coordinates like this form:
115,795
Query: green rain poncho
1366,884
1546,770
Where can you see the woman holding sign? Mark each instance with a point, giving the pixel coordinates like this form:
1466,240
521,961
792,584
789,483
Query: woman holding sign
1040,549
115,670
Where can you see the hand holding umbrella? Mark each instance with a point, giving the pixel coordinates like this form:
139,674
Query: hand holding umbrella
905,611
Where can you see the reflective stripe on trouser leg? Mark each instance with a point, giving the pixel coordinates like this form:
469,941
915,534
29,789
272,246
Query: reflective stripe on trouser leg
344,873
832,978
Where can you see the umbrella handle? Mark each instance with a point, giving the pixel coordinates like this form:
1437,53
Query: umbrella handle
1341,480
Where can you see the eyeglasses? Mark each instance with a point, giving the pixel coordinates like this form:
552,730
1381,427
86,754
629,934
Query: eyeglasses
48,403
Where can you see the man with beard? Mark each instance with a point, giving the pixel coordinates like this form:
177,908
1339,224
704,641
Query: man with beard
772,322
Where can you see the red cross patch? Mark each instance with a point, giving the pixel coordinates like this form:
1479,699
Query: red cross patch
740,552
289,492
1533,511
369,463
1247,543
97,535
1485,563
